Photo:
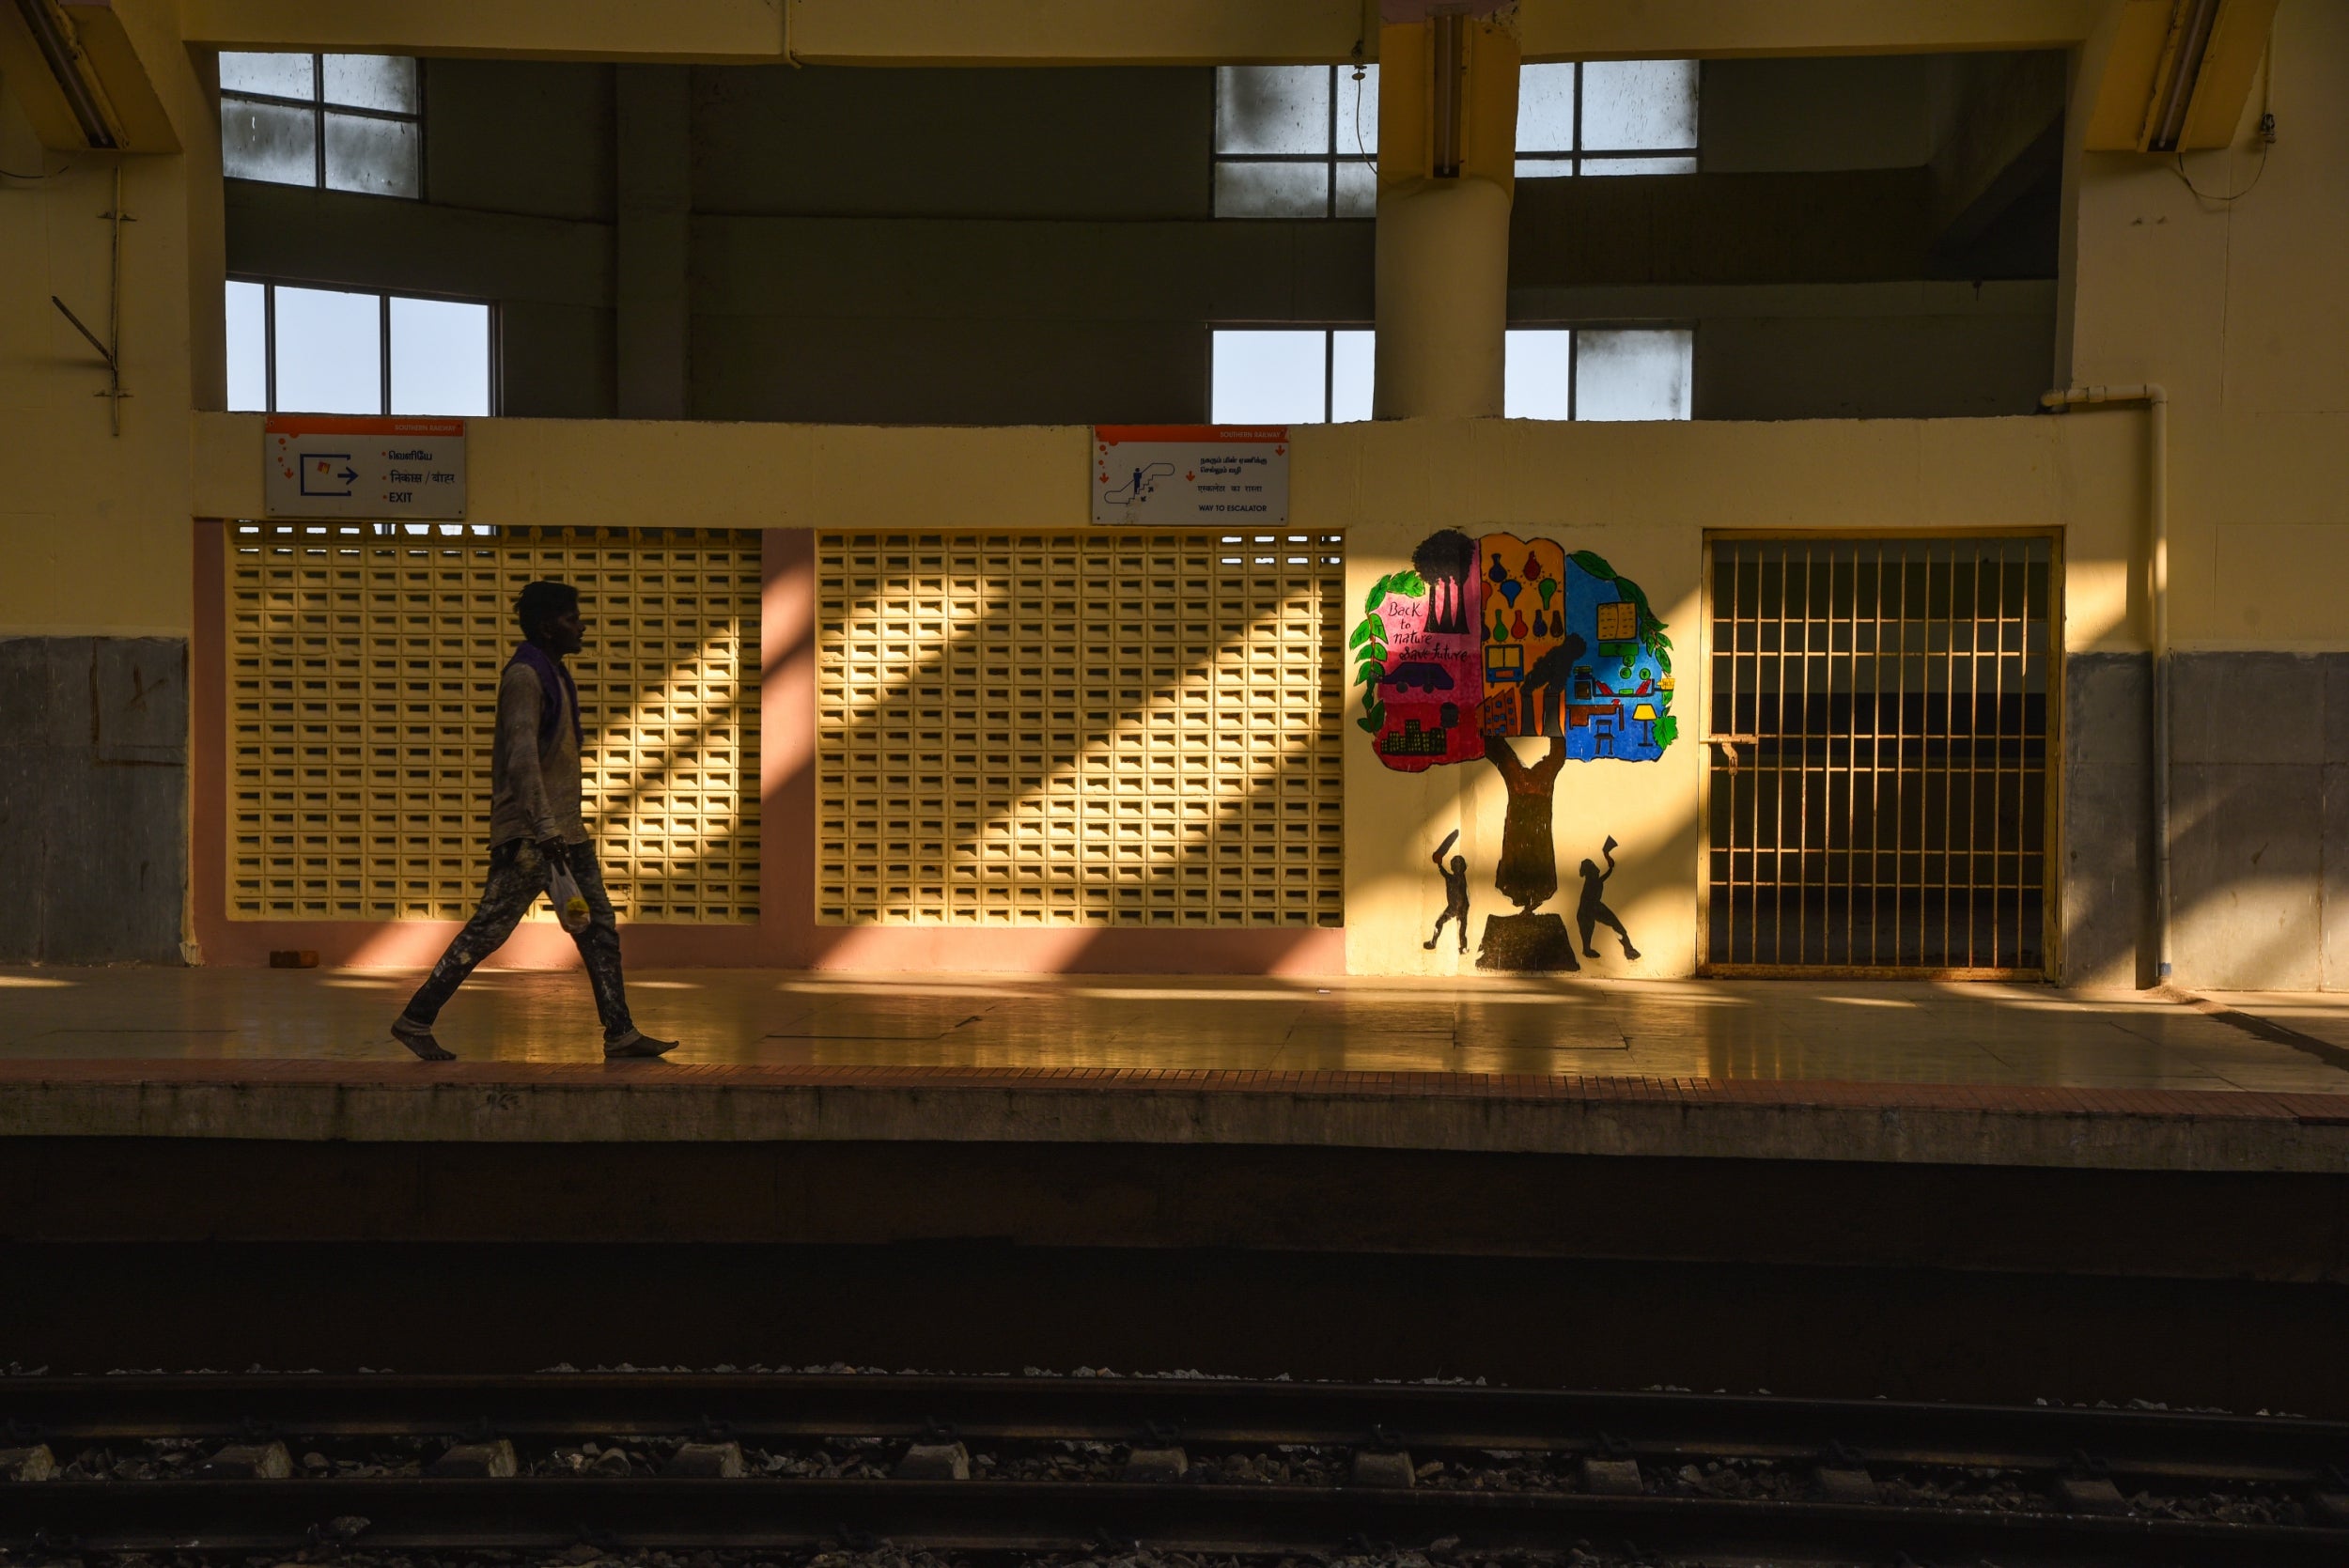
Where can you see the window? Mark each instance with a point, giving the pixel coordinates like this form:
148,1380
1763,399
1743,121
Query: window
335,122
1593,373
1291,376
333,350
1302,141
1607,116
1296,141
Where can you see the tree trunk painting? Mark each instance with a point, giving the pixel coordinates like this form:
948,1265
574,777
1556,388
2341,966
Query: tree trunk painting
1493,637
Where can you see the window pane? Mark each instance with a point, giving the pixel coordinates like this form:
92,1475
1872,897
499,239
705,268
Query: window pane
1272,108
1640,103
1350,360
1544,168
1683,164
329,349
278,75
1537,374
1269,377
1271,190
248,345
1357,190
376,156
440,357
1358,112
268,141
1633,375
1546,109
372,82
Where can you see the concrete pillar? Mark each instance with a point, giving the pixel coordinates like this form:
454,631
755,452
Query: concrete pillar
652,240
1447,162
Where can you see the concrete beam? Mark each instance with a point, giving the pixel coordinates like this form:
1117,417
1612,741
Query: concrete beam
1085,32
1998,129
735,31
107,65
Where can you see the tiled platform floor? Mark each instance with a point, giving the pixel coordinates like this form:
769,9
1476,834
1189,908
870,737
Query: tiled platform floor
1721,1030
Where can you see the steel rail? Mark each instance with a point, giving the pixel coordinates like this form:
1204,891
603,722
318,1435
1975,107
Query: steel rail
227,1516
798,1407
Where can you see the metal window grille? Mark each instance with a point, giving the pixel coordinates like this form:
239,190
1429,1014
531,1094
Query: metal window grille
363,668
1135,728
1879,744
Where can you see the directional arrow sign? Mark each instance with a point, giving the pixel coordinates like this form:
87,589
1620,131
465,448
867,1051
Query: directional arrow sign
363,468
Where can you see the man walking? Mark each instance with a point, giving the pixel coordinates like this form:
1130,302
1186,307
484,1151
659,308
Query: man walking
535,826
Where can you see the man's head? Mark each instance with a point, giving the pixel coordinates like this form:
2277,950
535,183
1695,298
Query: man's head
549,614
1590,868
1459,865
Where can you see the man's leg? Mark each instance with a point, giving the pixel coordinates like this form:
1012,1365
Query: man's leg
599,950
1436,935
516,876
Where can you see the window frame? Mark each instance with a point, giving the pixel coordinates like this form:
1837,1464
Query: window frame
1330,158
318,107
1574,355
1576,155
1328,330
495,369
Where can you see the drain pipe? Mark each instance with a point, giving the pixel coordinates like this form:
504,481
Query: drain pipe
2157,400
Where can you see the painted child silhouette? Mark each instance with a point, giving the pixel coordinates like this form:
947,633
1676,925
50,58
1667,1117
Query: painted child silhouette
1593,911
1455,894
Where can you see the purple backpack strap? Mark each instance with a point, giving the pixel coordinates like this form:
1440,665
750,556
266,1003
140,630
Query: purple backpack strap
554,684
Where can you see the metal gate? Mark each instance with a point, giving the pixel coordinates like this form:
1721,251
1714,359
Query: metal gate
1879,714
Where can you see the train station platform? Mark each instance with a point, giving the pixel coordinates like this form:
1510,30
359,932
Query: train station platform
1903,1072
1794,1184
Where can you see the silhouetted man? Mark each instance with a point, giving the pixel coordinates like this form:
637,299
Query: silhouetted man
1455,894
1593,911
535,824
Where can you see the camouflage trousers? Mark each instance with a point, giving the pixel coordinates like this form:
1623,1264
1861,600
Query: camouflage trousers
518,874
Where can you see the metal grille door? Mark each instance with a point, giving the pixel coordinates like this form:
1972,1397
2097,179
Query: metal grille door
362,672
1123,728
1880,742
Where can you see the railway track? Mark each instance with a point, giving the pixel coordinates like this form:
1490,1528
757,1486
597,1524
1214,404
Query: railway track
982,1463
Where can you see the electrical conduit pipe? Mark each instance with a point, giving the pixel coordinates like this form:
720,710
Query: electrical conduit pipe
2157,400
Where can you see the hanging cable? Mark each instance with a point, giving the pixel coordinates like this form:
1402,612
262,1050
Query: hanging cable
2267,142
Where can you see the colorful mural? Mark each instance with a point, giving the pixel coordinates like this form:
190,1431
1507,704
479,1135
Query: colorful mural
1495,636
1487,639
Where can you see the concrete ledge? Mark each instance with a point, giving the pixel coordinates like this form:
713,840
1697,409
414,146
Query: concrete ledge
310,1101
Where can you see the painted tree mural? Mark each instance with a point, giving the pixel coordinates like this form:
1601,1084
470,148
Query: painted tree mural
1491,638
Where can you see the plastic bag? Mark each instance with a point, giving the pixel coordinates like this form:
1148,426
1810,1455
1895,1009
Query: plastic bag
570,905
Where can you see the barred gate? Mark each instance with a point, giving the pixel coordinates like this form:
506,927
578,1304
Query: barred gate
1879,739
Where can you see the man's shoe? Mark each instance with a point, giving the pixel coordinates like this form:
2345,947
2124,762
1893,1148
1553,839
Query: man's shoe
636,1043
418,1037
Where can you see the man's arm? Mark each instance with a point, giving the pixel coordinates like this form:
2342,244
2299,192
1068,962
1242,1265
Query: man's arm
519,701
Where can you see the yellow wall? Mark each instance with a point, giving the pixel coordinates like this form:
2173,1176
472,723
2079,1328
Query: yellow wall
93,527
2241,311
1641,495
